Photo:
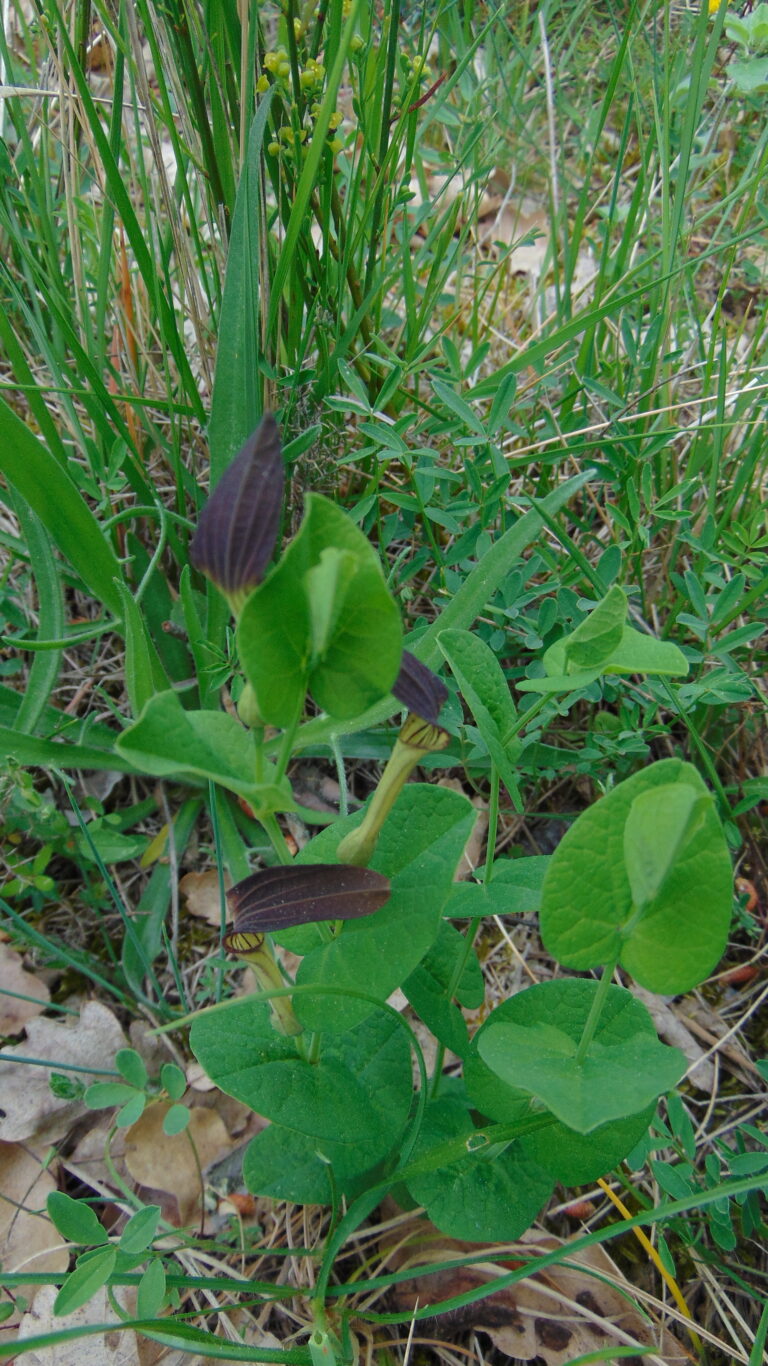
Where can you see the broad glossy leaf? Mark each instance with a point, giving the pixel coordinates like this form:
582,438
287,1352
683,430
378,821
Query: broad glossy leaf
636,653
595,639
350,1106
514,889
461,610
659,825
167,740
288,617
418,850
327,584
625,1067
588,916
639,653
481,1198
284,1165
569,1157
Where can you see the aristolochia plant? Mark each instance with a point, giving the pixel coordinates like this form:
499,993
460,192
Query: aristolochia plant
561,1081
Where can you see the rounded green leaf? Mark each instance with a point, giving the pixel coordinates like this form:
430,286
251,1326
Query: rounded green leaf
324,619
103,1095
150,1294
173,1079
588,913
479,1197
534,1047
176,1119
75,1220
130,1065
87,1277
592,643
131,1111
168,740
140,1230
418,850
350,1106
569,1157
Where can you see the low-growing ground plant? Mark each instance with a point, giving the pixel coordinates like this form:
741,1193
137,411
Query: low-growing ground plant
501,271
562,1080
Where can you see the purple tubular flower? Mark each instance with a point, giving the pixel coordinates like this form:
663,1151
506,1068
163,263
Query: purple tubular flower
419,689
301,894
238,526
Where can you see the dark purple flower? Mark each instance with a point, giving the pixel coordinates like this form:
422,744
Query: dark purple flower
301,894
418,688
238,526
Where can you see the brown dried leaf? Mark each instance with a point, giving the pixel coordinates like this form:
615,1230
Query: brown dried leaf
111,1348
201,894
559,1315
165,1163
14,1013
30,1109
27,1241
671,1027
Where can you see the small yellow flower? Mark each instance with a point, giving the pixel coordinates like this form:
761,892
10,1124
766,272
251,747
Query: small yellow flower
262,85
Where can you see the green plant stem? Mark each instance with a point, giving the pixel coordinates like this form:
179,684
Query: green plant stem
277,838
474,929
593,1019
114,1174
286,744
393,39
704,755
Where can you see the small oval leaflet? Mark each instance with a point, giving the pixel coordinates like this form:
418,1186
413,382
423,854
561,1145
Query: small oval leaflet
301,894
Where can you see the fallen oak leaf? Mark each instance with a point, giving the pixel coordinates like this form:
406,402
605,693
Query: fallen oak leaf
16,982
27,1240
30,1110
113,1347
169,1163
559,1314
202,895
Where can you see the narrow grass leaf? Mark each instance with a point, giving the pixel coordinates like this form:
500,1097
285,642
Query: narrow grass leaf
49,491
44,669
236,403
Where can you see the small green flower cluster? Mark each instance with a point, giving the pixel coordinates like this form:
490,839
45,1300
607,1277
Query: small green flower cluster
289,139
